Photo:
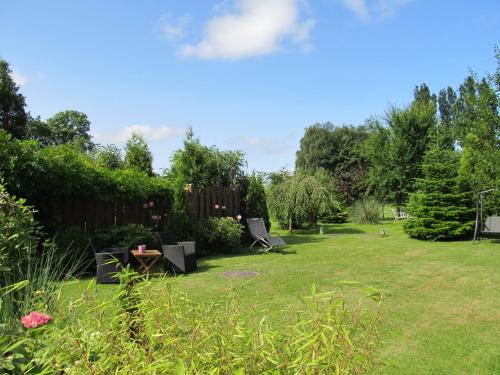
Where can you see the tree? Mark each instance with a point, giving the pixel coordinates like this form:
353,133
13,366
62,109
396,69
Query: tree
376,149
296,201
478,121
439,210
137,154
256,200
68,127
411,129
337,150
13,116
205,166
445,130
109,156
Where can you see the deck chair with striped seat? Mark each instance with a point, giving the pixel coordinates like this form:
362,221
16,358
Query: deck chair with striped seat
259,233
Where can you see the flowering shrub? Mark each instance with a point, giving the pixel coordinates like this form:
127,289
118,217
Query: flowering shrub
35,319
219,235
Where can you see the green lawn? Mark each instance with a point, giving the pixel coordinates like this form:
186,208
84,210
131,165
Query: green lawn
441,307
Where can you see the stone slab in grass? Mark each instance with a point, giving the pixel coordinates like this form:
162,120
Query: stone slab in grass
239,274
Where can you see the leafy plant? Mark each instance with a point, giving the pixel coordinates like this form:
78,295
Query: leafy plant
218,235
172,334
366,211
129,235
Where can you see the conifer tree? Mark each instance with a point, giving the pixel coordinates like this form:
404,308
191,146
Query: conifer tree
438,209
256,204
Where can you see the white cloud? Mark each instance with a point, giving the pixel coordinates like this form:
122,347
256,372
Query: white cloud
266,146
173,30
149,133
254,28
18,78
374,9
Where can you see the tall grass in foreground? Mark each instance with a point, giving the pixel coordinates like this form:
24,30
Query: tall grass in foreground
146,330
33,283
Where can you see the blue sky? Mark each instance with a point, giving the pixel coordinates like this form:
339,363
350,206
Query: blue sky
245,74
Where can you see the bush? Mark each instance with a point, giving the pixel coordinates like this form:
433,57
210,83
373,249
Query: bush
159,330
218,235
130,236
19,234
77,240
256,202
366,211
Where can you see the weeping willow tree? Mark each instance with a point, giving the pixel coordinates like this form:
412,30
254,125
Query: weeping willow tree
297,201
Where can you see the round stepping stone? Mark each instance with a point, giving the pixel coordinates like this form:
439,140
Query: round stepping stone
239,274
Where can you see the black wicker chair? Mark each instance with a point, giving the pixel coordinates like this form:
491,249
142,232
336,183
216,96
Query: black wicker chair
109,262
180,258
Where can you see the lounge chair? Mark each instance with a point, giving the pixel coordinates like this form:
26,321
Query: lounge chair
259,233
399,215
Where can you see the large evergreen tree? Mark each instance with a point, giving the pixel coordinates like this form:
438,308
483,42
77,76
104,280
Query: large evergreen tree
13,116
438,209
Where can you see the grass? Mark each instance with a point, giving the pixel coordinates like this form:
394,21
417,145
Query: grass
441,309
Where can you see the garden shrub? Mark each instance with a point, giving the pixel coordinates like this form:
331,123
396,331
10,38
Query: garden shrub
366,211
439,210
77,240
218,235
160,330
256,200
130,236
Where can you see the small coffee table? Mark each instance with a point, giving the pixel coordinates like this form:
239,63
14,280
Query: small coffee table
146,259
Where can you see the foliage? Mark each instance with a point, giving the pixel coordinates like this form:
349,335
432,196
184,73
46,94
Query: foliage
439,210
68,127
204,166
168,333
411,129
109,157
217,235
256,200
77,240
331,211
13,116
199,166
478,129
129,235
297,200
18,232
338,151
366,211
137,154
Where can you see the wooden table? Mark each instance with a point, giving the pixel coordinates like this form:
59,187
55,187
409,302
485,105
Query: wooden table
146,259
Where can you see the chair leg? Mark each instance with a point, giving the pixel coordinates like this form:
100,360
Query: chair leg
253,244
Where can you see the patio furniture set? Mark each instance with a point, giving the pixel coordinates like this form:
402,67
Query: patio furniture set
178,257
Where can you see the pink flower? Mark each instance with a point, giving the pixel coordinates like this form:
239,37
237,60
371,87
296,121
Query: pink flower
151,204
35,319
238,217
145,205
216,206
223,207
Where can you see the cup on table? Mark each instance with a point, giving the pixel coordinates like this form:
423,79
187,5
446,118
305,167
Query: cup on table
142,249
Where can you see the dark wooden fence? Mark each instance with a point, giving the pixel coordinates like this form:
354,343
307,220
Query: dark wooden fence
214,201
93,214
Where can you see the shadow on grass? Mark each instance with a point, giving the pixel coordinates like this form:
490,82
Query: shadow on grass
342,229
